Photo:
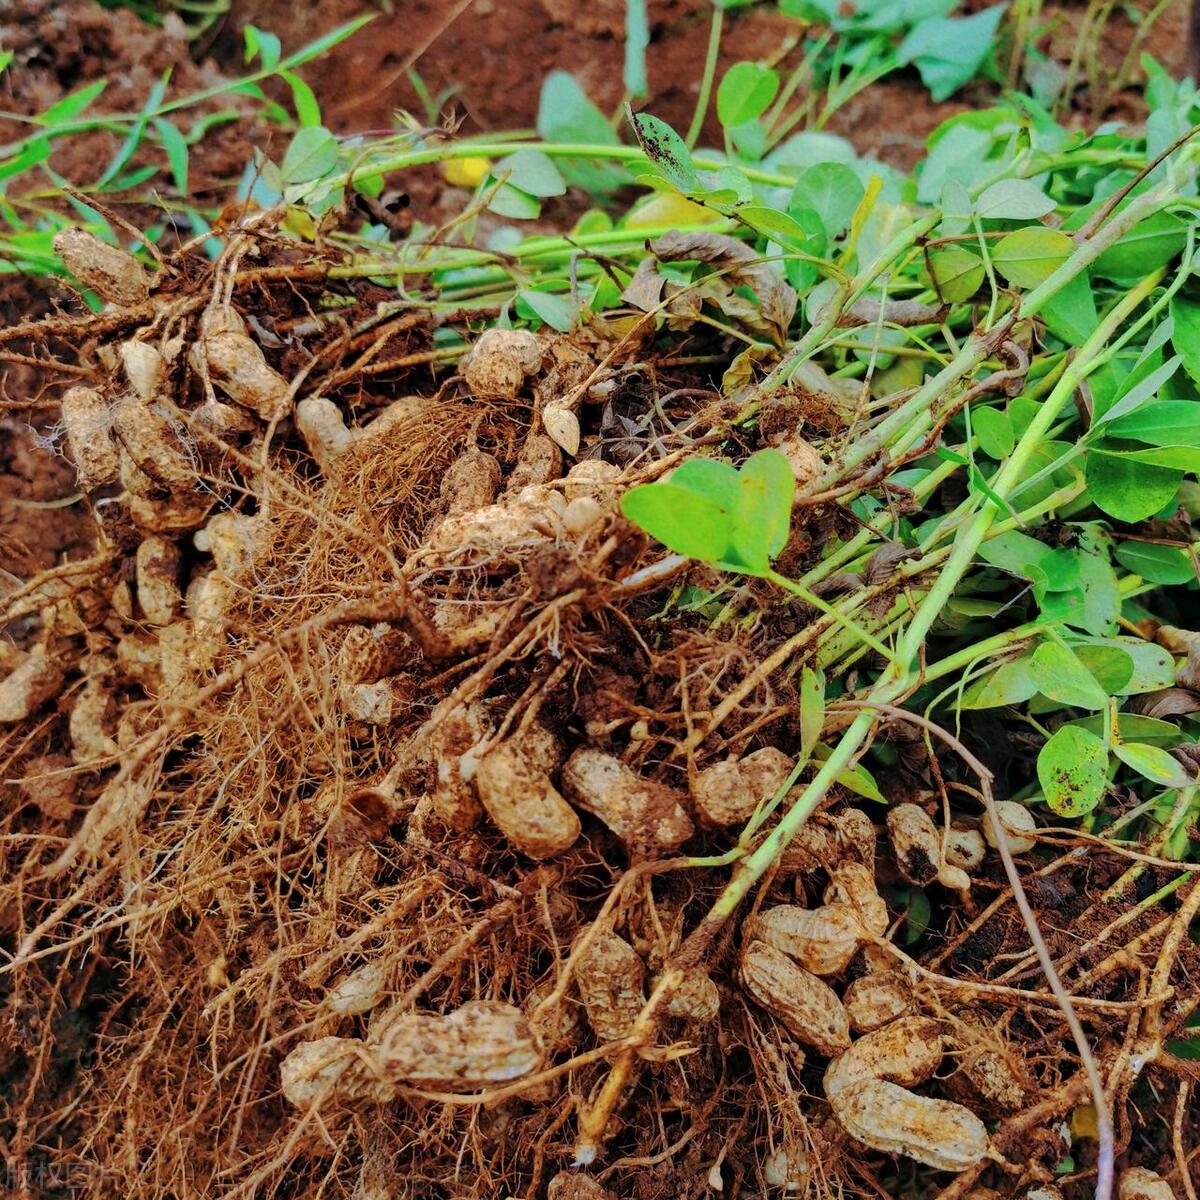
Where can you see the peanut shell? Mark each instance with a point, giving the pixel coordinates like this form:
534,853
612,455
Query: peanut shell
727,793
915,843
891,1119
853,884
906,1052
873,1001
807,1006
526,807
484,1042
822,940
647,816
610,978
1140,1183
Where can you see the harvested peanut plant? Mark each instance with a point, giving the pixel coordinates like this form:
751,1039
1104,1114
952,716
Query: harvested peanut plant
703,702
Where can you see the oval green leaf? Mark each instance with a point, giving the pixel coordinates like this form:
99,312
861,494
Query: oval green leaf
313,152
1072,770
1030,256
957,273
1154,764
746,92
1061,676
683,521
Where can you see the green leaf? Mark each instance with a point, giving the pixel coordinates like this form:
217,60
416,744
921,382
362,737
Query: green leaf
711,478
1010,683
1153,667
1030,256
683,521
508,201
1109,665
666,150
957,273
1014,200
1185,336
637,38
557,311
1128,490
312,154
1071,314
812,709
1176,458
917,915
308,111
1164,423
327,41
1133,393
832,191
1060,675
1133,727
532,172
1165,565
776,225
746,92
856,779
176,148
995,432
948,51
134,136
1072,770
1150,244
565,114
763,517
1154,764
71,106
263,45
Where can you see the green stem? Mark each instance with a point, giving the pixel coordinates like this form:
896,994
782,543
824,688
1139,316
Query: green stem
897,680
841,618
706,80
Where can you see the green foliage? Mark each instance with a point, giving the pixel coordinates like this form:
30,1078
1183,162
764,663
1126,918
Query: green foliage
712,512
154,146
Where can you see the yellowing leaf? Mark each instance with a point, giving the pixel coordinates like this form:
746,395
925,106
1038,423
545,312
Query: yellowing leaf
1084,1123
466,172
670,210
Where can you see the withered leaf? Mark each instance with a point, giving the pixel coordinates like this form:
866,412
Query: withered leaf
776,299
